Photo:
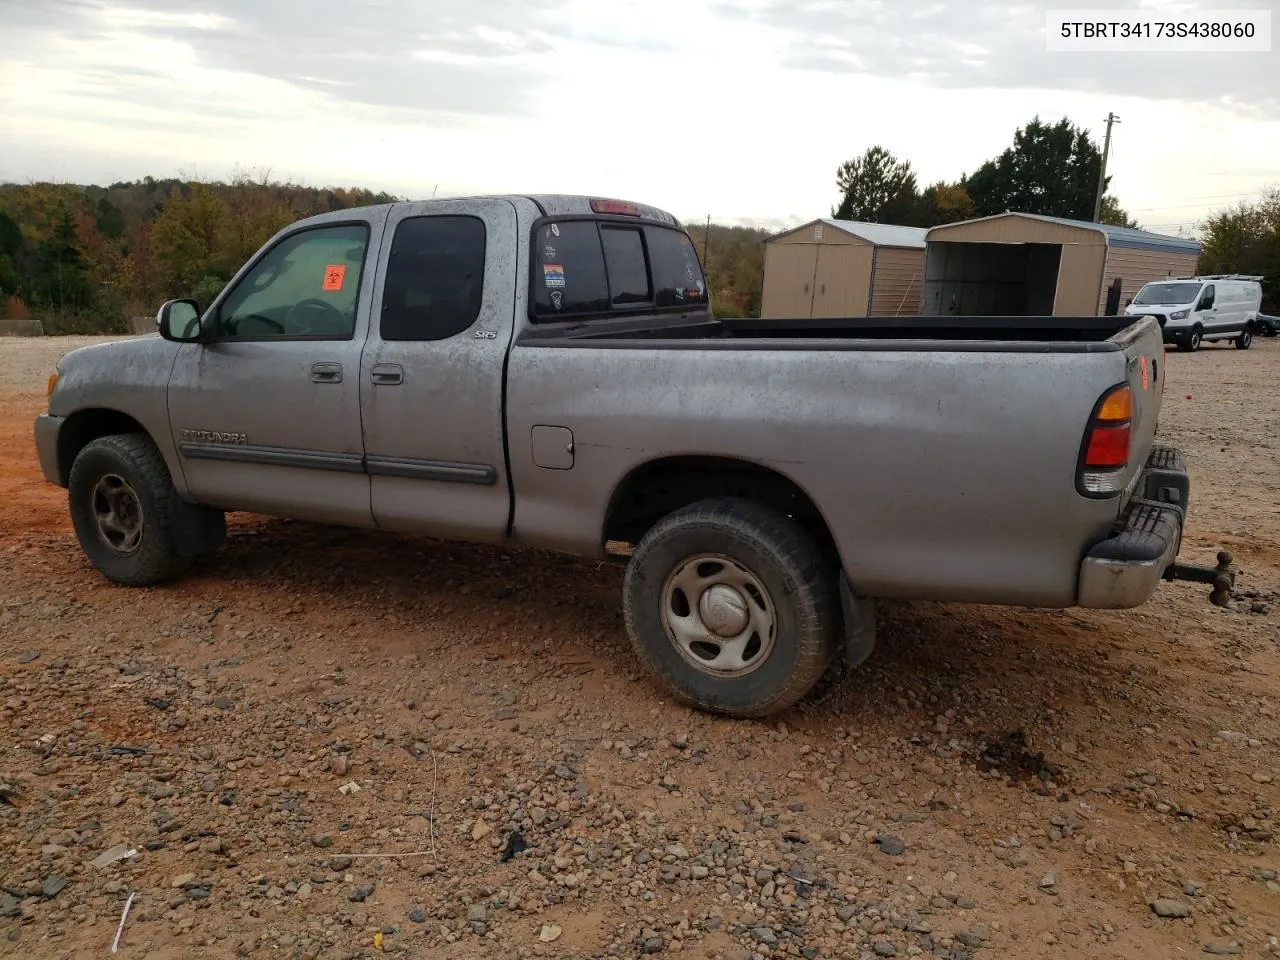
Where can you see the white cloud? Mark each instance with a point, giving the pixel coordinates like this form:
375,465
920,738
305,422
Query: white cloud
692,105
139,18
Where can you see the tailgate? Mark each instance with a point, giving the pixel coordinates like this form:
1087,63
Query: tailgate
1143,346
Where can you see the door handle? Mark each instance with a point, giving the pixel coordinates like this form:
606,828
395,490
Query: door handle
326,372
387,375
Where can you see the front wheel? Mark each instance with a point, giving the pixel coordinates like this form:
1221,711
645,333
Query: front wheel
127,516
733,607
1245,340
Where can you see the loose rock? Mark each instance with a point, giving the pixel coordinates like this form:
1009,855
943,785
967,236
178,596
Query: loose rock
1171,909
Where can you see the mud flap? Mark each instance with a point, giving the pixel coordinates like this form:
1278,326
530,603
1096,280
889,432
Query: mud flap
859,624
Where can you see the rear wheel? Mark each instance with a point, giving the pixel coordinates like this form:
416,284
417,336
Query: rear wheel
127,516
1245,340
733,607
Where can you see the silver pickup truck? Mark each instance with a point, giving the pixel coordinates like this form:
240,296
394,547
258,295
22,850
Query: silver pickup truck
547,371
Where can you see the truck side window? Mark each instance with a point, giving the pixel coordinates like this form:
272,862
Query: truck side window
435,278
306,286
569,272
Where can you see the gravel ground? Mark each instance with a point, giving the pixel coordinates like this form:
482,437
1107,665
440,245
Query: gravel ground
330,743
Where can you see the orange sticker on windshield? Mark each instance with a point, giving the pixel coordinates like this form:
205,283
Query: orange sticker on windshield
333,275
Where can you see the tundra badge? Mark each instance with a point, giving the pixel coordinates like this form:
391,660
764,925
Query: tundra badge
213,436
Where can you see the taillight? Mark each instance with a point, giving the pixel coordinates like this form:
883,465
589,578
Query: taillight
1106,444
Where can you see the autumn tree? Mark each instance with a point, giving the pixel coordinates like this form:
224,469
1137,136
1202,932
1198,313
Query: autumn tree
945,203
734,267
255,212
188,237
84,258
877,187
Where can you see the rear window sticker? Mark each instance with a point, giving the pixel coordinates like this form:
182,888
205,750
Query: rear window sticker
553,274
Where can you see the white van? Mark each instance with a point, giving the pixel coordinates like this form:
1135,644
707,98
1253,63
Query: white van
1194,309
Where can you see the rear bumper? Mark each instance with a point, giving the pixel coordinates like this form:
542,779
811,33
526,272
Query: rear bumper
46,436
1124,570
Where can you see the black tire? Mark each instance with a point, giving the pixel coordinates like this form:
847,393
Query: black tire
1193,340
1245,340
125,468
800,594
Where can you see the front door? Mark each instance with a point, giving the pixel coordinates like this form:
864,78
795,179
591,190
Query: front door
431,381
266,416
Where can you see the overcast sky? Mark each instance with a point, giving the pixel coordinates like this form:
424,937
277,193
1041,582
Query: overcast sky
741,109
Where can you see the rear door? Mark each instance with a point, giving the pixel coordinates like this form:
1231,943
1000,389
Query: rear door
431,379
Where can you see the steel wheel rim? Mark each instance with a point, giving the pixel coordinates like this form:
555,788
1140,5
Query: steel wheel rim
1195,340
718,615
117,514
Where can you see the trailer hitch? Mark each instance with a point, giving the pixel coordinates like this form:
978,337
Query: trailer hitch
1222,577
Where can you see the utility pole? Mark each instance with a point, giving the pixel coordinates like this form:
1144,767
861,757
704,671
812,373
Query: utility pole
706,242
1102,173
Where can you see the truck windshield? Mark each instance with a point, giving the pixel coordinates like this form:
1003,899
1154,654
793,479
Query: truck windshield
1167,293
601,266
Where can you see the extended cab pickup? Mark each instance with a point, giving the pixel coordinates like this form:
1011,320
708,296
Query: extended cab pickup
547,371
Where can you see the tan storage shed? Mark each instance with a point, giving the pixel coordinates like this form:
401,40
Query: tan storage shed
843,268
1022,264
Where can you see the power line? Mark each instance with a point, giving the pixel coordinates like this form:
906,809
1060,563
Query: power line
1191,206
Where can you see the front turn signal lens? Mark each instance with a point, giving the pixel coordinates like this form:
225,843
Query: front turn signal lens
53,382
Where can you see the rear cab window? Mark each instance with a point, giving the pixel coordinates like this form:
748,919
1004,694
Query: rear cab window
594,267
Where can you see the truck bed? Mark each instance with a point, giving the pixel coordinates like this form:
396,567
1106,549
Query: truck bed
1003,334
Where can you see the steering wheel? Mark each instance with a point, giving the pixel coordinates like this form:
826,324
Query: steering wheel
323,311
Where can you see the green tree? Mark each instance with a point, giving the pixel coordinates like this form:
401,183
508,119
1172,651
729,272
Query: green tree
188,236
10,254
108,220
1051,170
61,279
1246,239
1114,214
877,187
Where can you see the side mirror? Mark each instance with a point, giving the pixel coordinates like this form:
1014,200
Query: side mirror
179,321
